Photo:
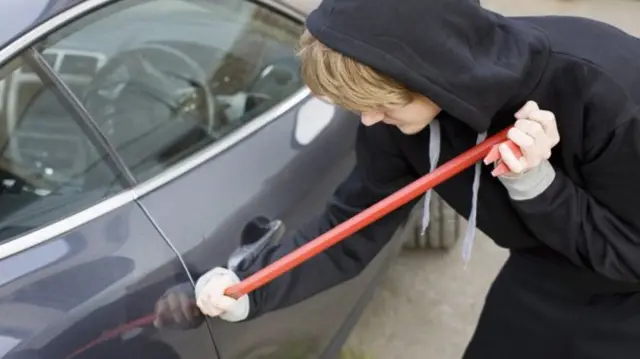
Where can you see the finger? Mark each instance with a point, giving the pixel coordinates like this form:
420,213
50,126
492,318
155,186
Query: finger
525,142
187,307
193,307
508,157
517,151
531,128
195,311
174,306
527,109
492,156
500,169
521,138
547,120
160,306
161,312
530,136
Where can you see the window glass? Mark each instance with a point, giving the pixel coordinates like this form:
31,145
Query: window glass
165,78
49,168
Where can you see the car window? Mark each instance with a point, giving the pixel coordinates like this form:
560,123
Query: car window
166,78
49,168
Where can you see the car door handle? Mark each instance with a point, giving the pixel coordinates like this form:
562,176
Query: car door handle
256,236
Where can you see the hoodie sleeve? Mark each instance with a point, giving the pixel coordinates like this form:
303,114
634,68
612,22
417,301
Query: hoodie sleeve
597,225
380,170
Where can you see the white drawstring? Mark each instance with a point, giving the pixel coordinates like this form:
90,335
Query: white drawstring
470,234
434,155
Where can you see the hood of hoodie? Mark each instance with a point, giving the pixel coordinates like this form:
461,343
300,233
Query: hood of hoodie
468,60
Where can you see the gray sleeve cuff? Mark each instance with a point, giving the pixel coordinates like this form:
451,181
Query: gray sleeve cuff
530,184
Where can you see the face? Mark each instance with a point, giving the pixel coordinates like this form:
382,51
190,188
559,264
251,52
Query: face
409,119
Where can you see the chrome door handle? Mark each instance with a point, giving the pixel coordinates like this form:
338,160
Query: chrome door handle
257,235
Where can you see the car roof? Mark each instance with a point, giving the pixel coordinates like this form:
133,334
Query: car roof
19,16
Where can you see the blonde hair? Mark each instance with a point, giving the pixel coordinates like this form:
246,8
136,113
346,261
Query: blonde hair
345,81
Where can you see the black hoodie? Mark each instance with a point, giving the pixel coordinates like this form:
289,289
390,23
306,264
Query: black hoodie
480,68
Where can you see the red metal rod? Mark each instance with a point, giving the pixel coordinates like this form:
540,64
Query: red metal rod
366,217
338,233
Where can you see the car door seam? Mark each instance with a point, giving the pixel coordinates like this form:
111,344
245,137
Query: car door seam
164,236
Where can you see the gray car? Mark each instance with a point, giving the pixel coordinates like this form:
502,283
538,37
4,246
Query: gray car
141,143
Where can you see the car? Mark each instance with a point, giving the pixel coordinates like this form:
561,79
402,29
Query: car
142,142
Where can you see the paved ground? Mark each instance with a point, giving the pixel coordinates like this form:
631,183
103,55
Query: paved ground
428,305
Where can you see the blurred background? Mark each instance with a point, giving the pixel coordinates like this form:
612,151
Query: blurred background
429,303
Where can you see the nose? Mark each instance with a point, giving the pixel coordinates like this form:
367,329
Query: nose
371,118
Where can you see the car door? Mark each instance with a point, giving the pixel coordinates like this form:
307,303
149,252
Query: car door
81,265
204,103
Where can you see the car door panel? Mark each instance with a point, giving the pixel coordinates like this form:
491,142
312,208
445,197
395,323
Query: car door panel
270,174
58,300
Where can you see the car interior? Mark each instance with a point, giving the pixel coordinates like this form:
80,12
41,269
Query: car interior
157,101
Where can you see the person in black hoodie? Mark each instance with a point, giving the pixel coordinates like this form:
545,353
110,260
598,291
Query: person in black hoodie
431,79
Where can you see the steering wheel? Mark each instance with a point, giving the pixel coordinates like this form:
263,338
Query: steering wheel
275,81
156,72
